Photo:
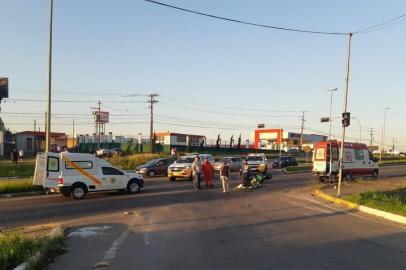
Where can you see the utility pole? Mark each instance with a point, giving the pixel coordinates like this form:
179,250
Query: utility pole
383,133
347,78
301,130
98,126
331,107
371,133
73,134
48,118
35,142
152,100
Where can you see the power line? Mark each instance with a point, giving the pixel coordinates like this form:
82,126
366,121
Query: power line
72,101
245,22
382,25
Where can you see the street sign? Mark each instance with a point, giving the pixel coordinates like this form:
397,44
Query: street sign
102,118
325,119
3,88
261,125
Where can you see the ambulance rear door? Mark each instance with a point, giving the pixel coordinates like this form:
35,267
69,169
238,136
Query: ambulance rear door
39,173
53,169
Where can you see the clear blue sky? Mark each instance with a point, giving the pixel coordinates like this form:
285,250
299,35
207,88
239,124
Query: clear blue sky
204,69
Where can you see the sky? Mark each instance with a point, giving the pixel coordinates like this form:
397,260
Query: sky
212,76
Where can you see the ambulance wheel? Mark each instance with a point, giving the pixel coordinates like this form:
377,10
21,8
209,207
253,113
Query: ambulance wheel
133,187
321,179
375,174
78,191
172,178
349,177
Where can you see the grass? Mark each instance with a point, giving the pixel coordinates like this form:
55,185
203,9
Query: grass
15,170
132,161
16,248
17,185
393,201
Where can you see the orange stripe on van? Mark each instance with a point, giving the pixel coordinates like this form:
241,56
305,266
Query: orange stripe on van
94,179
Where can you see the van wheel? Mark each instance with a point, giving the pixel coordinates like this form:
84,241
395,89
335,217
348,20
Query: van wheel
151,173
78,191
375,174
133,187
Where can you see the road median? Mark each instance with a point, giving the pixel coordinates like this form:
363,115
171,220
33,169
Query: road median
31,247
361,208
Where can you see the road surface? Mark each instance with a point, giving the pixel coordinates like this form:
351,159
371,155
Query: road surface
170,226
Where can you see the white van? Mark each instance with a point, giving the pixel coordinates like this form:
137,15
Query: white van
358,160
76,174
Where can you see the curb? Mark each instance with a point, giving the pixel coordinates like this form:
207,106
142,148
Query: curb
361,208
57,231
22,194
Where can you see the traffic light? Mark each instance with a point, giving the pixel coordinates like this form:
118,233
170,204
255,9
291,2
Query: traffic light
346,119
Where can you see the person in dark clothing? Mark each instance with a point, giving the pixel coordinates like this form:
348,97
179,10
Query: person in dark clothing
14,156
245,174
225,176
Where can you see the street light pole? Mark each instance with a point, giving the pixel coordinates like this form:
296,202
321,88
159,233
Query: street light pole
347,77
383,133
48,119
331,107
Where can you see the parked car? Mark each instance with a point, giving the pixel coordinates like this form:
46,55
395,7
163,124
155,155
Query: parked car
116,152
234,163
257,162
182,168
154,167
283,162
103,152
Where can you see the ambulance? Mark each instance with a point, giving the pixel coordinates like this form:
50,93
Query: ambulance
74,174
358,160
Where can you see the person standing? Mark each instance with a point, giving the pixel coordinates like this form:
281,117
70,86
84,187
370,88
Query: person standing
14,156
208,172
174,153
245,174
21,154
196,172
225,176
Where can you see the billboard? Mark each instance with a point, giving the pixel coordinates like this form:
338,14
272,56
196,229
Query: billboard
102,117
3,88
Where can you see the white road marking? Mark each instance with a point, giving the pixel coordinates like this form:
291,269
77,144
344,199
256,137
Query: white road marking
146,238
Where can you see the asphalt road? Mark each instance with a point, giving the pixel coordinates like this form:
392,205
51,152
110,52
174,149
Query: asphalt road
170,226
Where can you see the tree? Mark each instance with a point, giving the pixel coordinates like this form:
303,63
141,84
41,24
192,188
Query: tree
239,142
232,141
218,141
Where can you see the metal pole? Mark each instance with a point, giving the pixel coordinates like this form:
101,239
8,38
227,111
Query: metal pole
383,134
73,134
35,141
48,119
347,77
98,128
331,107
301,131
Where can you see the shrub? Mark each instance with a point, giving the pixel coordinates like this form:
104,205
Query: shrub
130,162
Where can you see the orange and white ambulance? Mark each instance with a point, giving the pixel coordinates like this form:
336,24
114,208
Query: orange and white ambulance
74,174
358,160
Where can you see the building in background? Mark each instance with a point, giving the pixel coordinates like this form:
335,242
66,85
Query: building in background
34,141
274,139
179,139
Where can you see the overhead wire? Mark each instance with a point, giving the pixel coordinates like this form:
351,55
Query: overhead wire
246,22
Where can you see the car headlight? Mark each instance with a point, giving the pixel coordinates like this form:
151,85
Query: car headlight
143,170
